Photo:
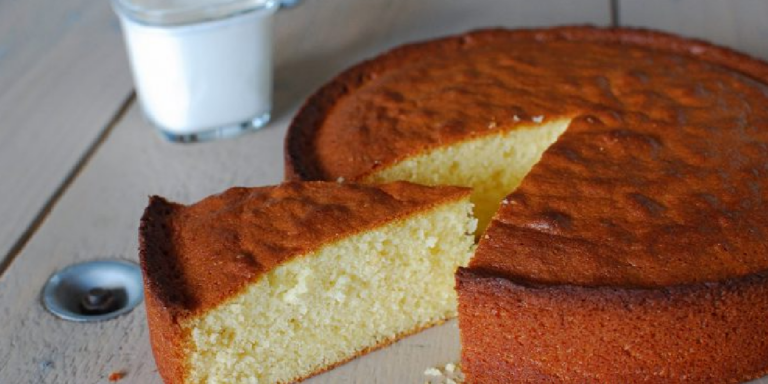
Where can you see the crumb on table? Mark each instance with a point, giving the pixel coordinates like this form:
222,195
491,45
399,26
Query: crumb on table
116,376
450,374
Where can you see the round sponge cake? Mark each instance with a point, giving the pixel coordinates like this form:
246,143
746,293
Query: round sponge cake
633,246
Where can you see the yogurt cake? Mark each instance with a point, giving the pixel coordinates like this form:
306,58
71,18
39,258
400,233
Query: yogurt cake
633,246
275,284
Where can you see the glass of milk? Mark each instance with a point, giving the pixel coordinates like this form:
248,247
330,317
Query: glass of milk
202,68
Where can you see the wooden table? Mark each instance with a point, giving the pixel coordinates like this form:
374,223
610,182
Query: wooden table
77,160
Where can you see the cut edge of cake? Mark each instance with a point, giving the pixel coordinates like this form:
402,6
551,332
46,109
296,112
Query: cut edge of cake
515,150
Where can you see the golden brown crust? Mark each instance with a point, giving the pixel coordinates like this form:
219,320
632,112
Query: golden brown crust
659,180
393,123
704,333
162,301
195,257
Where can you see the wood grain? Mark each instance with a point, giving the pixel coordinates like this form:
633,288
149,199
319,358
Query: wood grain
63,75
739,24
97,217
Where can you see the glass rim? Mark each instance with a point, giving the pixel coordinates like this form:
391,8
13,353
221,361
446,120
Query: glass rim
194,14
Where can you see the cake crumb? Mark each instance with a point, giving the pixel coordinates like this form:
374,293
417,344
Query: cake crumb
538,119
116,376
492,125
340,180
515,119
450,374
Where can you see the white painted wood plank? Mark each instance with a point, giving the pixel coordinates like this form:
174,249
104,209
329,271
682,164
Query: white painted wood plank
98,215
63,75
741,24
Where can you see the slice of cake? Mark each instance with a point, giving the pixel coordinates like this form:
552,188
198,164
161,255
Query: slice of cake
275,284
634,248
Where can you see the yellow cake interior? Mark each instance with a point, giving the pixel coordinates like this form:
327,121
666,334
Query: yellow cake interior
328,306
493,165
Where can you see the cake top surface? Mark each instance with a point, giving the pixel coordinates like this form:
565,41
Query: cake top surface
660,179
433,94
196,256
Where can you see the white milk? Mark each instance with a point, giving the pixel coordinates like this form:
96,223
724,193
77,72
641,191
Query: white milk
206,76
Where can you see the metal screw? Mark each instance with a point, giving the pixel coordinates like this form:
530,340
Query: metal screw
98,301
94,290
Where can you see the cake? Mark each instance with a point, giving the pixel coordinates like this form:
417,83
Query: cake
631,244
275,284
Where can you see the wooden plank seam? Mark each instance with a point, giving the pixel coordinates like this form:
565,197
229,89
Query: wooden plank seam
40,217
